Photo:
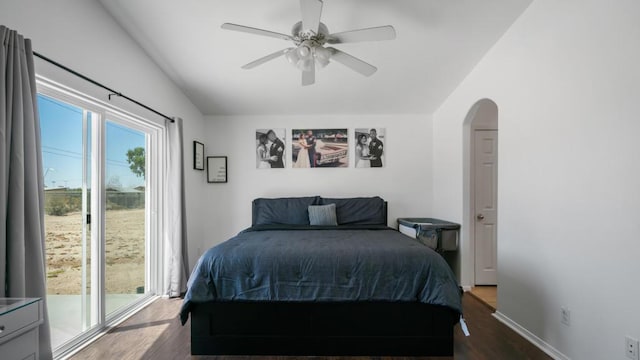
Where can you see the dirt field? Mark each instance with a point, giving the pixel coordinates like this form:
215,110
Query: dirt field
124,252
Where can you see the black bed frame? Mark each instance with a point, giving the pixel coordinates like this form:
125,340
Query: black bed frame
322,329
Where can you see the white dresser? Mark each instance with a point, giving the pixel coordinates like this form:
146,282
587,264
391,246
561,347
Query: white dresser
19,321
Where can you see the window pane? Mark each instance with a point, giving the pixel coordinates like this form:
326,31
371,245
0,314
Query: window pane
125,217
68,279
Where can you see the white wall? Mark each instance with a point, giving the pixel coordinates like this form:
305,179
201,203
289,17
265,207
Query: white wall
405,181
81,35
566,81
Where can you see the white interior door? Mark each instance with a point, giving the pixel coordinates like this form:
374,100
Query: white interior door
486,209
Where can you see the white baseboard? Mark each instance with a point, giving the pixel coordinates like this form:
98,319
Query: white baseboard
529,336
466,288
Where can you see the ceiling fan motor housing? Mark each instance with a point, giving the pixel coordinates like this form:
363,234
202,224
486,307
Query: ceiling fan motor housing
301,35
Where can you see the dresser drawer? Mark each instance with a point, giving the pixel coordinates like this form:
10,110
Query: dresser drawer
19,319
24,347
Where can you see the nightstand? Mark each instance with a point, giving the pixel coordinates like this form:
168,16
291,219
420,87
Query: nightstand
19,321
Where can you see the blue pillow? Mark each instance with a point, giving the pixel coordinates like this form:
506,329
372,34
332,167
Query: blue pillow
290,211
323,215
358,211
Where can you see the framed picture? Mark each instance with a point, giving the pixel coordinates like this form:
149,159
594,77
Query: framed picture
270,148
198,155
217,169
369,147
320,148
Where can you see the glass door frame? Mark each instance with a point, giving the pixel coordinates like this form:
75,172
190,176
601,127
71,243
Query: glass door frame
95,321
86,201
154,143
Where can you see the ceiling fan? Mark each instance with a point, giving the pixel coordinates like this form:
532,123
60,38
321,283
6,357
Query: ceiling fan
309,37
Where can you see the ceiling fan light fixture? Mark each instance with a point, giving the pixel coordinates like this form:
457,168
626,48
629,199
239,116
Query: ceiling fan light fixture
322,56
322,53
305,56
322,62
304,51
292,56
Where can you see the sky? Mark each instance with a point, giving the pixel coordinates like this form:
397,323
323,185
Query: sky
61,129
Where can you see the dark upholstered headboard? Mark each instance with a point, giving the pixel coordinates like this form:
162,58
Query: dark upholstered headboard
294,210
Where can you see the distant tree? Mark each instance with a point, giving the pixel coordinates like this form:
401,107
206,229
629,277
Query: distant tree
135,158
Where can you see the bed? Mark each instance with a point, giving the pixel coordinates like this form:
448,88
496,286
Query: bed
321,277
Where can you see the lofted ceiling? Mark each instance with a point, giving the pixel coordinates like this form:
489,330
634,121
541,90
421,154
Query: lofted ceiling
438,43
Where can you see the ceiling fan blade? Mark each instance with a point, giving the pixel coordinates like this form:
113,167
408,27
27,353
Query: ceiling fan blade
369,34
309,77
264,59
351,62
255,31
311,11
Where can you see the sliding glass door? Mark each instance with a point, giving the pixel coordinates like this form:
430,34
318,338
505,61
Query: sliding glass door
100,168
66,154
125,226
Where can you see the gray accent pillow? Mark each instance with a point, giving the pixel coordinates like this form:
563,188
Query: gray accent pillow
358,211
290,211
323,215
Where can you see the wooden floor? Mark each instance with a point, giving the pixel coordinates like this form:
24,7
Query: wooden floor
156,333
486,294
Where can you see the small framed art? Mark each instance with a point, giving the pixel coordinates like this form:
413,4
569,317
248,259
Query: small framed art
198,155
217,169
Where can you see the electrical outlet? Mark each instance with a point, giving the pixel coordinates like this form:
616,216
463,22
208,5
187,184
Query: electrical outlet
565,316
631,348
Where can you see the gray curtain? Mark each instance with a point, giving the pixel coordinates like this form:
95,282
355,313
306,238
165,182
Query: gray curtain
175,220
22,255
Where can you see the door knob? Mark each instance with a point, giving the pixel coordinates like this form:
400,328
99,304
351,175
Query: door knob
480,217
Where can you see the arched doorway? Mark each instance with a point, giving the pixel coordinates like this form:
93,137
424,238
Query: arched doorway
481,193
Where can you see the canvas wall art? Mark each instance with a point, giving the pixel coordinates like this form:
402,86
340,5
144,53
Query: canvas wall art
320,148
369,149
270,148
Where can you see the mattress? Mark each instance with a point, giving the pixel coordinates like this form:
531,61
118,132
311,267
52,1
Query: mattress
301,263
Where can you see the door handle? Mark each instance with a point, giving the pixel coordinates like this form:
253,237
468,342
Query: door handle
480,217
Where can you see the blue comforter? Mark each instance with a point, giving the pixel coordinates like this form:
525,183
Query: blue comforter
311,263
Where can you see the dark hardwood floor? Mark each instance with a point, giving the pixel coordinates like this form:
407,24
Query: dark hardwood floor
155,333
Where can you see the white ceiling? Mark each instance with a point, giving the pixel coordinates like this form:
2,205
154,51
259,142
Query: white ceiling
438,43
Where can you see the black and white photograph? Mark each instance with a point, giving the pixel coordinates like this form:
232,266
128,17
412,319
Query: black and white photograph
315,148
369,147
270,148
